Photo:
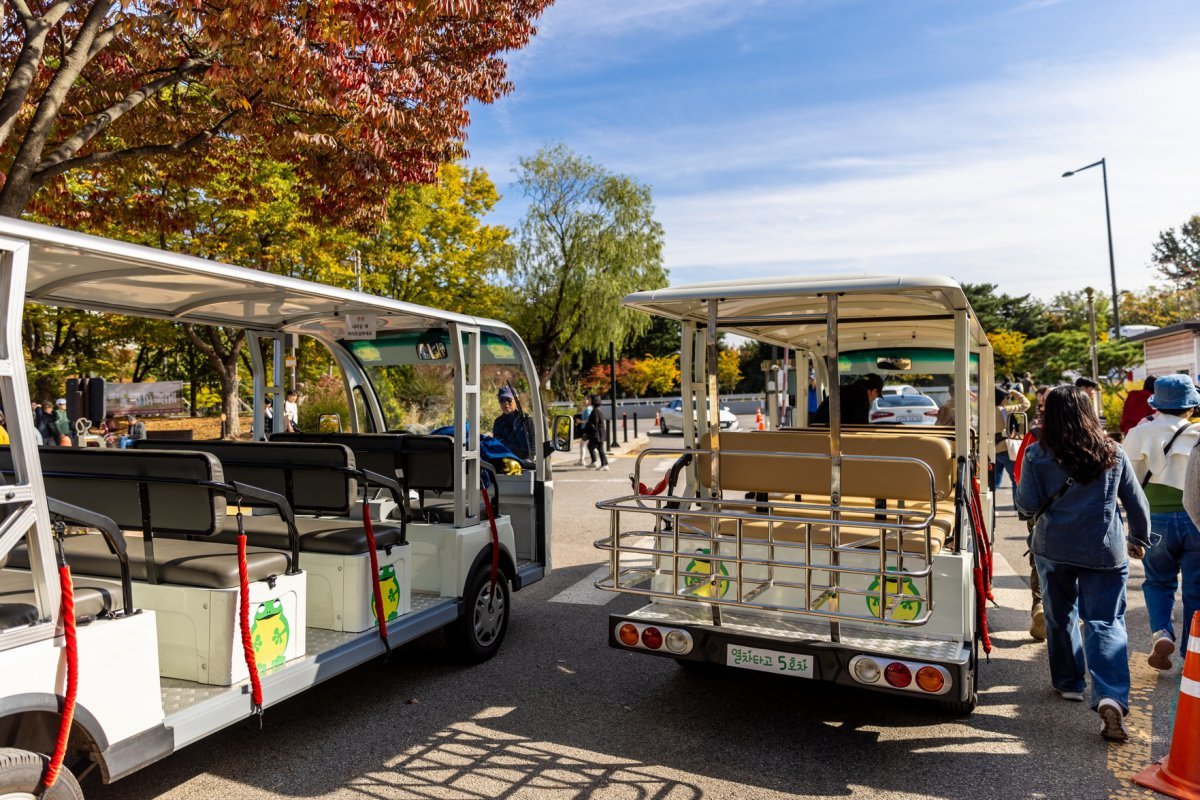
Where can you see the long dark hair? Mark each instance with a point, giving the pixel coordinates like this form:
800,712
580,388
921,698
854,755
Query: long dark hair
1072,433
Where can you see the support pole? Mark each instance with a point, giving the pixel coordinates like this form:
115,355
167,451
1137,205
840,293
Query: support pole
612,374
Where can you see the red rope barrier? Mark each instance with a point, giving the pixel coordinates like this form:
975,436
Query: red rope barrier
71,650
376,592
256,696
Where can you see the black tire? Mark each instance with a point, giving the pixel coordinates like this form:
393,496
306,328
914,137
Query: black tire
964,708
477,635
698,667
662,427
21,773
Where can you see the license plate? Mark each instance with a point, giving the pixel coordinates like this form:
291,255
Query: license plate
756,658
907,419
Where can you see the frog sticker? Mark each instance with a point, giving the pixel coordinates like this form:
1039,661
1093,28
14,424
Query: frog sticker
701,585
904,601
269,633
389,591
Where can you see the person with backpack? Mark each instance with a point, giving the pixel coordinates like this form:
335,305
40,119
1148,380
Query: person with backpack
1070,483
1159,451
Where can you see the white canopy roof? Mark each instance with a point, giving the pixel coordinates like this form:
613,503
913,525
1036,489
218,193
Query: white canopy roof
873,310
75,270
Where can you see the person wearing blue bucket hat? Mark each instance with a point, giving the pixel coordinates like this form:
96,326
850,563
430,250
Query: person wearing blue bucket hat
1159,449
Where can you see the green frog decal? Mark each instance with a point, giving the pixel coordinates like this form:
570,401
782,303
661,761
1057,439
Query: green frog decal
389,590
269,634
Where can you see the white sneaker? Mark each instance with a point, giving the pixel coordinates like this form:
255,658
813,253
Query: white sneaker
604,468
1161,650
1074,697
1113,719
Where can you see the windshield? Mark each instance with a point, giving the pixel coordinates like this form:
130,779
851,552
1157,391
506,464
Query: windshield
414,377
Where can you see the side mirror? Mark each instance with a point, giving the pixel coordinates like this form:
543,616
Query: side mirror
329,423
1018,425
562,428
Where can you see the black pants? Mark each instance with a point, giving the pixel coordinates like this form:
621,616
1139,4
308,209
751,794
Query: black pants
593,446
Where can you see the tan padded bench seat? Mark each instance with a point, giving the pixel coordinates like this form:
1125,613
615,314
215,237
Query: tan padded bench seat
207,564
810,476
340,536
18,605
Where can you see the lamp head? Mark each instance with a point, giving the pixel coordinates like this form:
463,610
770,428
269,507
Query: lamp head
1068,174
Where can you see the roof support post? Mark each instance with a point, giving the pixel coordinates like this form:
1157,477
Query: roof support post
26,515
687,351
962,388
464,350
258,368
835,454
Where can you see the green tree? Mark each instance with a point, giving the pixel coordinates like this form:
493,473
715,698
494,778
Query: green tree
998,311
1177,253
661,338
1068,351
1069,312
588,238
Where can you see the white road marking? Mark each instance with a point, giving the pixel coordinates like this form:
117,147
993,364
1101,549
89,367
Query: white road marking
585,593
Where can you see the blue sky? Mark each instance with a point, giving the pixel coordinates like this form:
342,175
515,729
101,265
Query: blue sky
832,136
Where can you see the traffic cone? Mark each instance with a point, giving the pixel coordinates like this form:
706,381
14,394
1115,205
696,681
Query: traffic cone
657,419
758,420
1178,773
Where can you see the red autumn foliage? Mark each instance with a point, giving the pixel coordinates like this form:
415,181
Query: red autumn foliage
359,94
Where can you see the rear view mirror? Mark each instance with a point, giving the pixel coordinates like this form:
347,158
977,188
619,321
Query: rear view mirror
329,423
1018,425
562,429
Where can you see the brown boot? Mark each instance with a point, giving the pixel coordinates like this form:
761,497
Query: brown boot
1037,625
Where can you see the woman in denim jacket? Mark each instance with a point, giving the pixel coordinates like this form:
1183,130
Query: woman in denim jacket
1080,551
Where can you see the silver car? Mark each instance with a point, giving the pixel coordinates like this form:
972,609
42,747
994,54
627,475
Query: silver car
904,409
670,417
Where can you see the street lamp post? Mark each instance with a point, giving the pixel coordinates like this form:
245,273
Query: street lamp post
1112,265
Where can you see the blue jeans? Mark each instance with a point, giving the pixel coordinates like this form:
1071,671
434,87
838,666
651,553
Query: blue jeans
1096,596
1003,465
1178,549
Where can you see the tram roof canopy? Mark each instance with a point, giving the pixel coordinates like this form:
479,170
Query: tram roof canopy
76,270
873,310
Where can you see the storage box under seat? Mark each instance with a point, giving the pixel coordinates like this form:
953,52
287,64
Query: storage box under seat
199,638
340,597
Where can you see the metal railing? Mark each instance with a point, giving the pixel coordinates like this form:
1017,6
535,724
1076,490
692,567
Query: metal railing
777,555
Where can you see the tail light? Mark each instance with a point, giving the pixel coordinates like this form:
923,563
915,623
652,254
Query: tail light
931,413
898,674
652,638
930,679
881,415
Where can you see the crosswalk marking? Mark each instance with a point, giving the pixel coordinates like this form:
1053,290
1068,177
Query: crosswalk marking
585,593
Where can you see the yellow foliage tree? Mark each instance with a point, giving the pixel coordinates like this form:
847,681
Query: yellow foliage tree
663,372
729,369
1007,347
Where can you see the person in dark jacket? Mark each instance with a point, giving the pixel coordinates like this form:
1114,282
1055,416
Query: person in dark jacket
46,424
1070,483
513,427
856,399
593,431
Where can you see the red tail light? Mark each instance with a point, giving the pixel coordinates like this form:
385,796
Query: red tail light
652,638
898,675
931,413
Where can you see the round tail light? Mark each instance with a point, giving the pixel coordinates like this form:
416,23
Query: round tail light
866,670
930,679
678,642
652,638
628,634
898,675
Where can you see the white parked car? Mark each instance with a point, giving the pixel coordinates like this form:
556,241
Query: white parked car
670,417
900,388
904,409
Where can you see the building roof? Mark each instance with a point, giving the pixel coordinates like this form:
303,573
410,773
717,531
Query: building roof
1178,327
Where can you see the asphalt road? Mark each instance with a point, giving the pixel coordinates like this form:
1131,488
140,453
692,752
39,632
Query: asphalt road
558,714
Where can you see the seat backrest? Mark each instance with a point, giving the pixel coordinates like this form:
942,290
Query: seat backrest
378,452
109,482
428,462
811,476
314,478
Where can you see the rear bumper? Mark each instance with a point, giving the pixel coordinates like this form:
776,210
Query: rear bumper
829,661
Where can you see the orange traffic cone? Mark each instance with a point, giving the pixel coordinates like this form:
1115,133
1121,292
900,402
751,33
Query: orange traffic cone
1178,773
758,420
657,419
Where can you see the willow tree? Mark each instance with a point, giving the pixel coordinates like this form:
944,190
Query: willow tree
588,238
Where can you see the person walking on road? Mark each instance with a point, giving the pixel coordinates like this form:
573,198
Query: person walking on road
593,431
1070,483
1008,402
1160,451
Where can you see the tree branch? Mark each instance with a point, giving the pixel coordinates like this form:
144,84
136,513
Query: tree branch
46,172
74,143
28,60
